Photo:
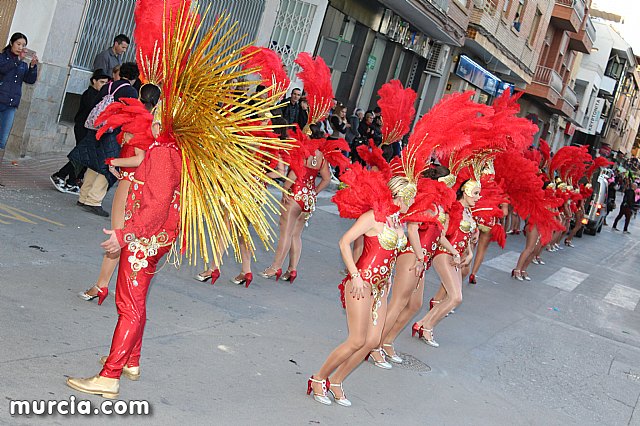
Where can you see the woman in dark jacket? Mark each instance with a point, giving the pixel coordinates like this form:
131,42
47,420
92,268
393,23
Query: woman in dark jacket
13,72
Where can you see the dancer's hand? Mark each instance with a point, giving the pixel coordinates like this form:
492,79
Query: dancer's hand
419,266
111,245
455,260
357,288
467,260
114,172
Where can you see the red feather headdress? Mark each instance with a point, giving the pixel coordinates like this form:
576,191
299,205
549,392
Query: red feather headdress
397,109
270,68
317,86
131,116
333,151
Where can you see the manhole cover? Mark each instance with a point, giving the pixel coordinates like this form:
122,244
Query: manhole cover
409,362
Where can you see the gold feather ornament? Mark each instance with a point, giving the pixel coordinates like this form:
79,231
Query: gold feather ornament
224,151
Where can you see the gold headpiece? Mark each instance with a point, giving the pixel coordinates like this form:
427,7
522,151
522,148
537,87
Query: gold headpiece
448,180
469,186
408,193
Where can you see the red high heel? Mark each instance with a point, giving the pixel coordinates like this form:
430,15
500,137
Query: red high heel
103,292
417,329
472,279
269,276
247,279
290,276
214,276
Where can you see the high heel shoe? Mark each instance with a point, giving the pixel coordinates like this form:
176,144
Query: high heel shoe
417,329
382,364
277,273
290,275
322,398
340,401
472,279
524,276
568,243
516,274
102,294
393,357
213,276
245,279
431,341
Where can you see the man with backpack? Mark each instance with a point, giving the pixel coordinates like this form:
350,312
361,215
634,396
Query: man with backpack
92,153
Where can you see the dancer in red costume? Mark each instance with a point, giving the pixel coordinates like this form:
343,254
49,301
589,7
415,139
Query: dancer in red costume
364,291
309,158
131,155
166,199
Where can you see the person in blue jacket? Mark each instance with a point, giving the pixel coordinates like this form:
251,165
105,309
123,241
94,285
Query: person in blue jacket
13,72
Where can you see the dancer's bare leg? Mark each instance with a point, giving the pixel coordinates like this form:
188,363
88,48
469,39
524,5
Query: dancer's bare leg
296,242
483,243
452,282
288,220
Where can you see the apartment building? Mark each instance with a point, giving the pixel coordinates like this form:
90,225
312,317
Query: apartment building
367,43
551,99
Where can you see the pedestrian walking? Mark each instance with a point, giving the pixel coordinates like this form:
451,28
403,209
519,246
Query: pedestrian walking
67,178
13,72
626,208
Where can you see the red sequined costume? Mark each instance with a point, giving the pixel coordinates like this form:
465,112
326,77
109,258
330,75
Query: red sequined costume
304,190
429,234
152,219
376,263
459,231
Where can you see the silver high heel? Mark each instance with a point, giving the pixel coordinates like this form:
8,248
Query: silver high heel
340,401
431,341
525,276
382,364
322,398
393,358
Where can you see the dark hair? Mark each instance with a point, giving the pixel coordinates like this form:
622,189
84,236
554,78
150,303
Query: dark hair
149,95
260,88
377,110
296,88
435,172
15,37
99,74
120,38
280,131
316,132
460,191
129,71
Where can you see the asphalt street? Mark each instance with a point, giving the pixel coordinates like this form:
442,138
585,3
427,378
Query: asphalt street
562,349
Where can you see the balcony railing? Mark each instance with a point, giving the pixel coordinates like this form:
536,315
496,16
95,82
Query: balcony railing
548,77
578,6
591,31
570,96
442,5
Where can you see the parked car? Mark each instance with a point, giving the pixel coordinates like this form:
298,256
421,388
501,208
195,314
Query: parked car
596,205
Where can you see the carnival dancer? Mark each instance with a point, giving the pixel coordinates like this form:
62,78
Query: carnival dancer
273,84
167,200
307,160
134,143
376,202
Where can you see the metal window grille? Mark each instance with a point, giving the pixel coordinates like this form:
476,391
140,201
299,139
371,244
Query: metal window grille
104,19
7,9
291,30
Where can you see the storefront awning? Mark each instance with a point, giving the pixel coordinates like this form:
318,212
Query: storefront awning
475,74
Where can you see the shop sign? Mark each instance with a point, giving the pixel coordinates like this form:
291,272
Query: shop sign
371,62
594,118
570,129
468,70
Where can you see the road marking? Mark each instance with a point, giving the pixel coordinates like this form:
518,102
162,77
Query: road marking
14,213
505,262
623,296
566,279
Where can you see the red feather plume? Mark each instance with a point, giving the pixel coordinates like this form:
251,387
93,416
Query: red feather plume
598,162
317,85
333,151
269,66
131,116
431,195
372,155
397,109
545,151
366,190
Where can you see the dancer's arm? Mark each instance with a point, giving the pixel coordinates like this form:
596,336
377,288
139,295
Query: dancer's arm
325,174
414,240
364,224
444,242
133,161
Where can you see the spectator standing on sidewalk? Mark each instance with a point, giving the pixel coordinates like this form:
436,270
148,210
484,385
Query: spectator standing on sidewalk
92,153
626,208
354,122
13,72
293,112
66,179
111,57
